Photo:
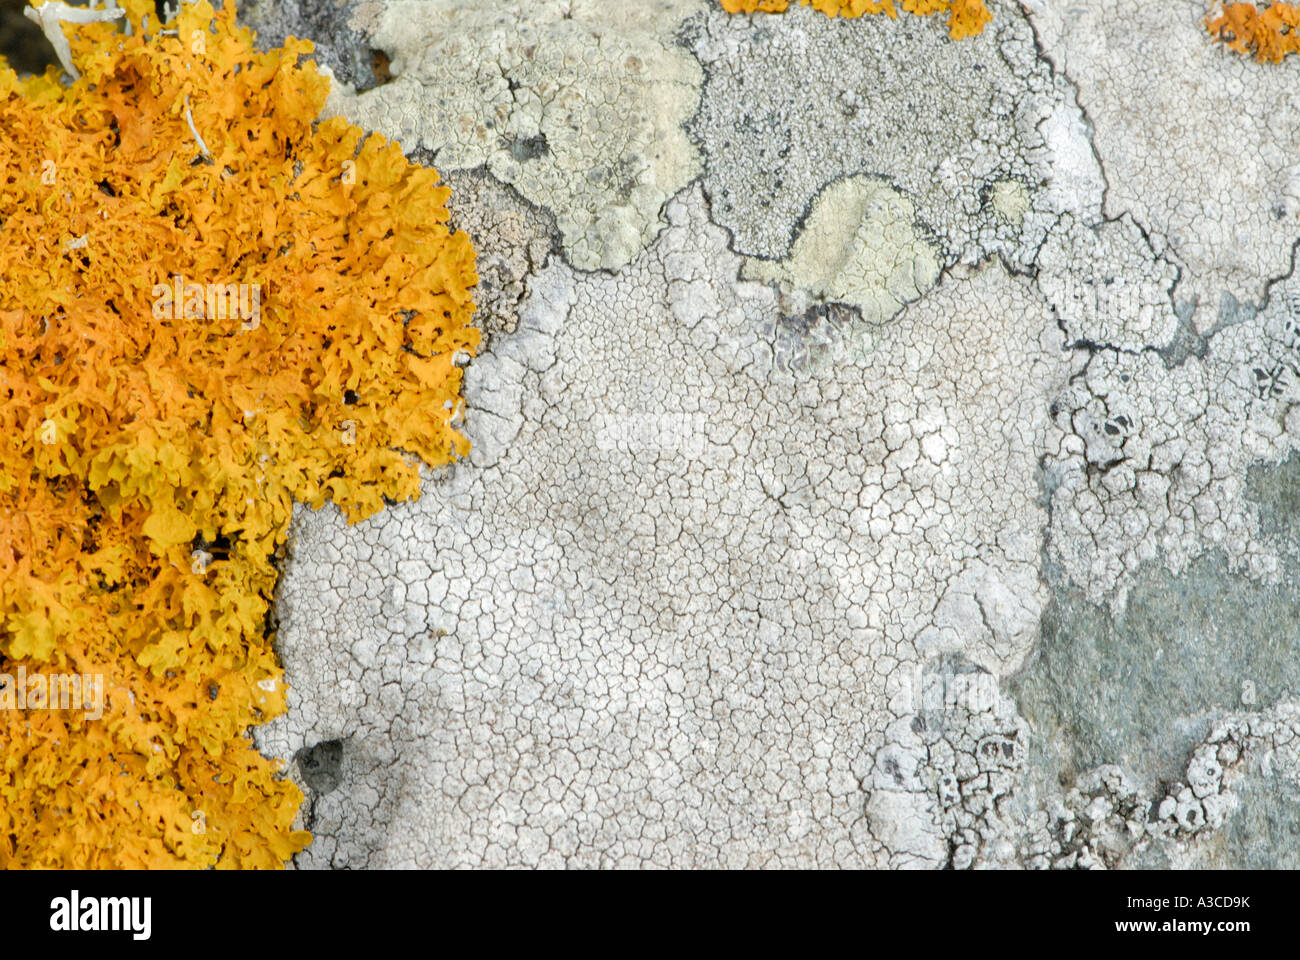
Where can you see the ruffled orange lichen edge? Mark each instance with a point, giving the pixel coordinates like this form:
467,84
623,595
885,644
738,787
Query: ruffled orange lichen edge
1270,33
152,447
966,18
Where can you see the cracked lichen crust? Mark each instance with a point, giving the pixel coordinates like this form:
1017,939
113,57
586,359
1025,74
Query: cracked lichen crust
737,573
793,103
1150,461
1179,306
581,112
1199,145
935,789
1107,284
677,598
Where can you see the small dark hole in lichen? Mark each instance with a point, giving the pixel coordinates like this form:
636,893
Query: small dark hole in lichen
321,764
381,67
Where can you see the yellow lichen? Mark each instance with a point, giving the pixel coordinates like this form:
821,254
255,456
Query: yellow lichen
152,446
1269,33
966,18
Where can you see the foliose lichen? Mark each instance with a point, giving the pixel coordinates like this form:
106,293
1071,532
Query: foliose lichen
213,307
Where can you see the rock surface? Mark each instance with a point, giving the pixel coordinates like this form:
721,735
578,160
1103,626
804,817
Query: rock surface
880,449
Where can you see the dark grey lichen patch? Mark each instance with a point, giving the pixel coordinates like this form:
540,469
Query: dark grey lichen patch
528,148
1139,688
324,22
943,122
1276,493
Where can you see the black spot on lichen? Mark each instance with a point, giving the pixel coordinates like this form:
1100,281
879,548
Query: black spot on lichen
529,148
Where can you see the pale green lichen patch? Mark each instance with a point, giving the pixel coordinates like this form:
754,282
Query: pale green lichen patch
581,112
859,246
1011,200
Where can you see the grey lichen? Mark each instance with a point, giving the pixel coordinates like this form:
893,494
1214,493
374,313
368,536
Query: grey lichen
1198,144
581,113
796,102
597,643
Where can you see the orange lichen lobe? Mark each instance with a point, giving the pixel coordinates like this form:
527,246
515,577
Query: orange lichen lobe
1270,33
966,18
192,339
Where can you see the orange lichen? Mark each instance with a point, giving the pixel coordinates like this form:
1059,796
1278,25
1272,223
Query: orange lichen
152,446
1270,33
966,18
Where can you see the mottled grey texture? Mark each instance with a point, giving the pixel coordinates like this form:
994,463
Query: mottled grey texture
793,103
576,104
1137,688
326,23
513,239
